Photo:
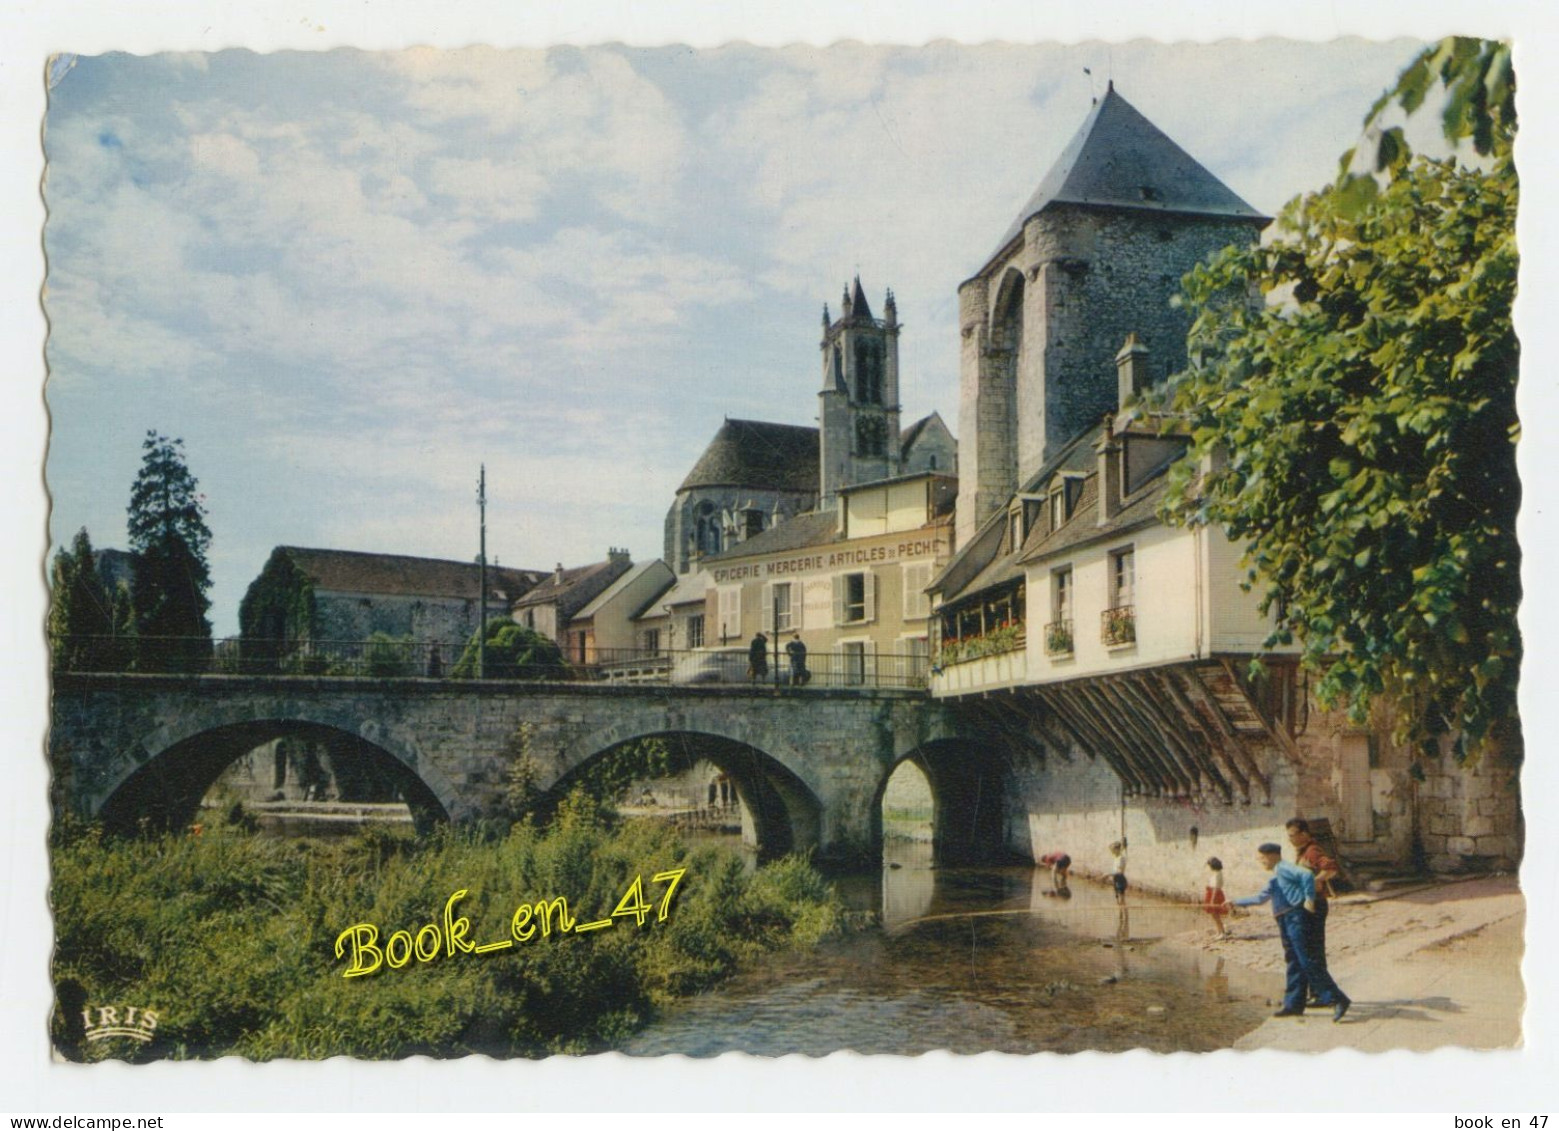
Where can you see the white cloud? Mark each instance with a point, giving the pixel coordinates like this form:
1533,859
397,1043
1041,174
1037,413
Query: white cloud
488,190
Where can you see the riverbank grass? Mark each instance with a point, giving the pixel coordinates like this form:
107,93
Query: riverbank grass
230,940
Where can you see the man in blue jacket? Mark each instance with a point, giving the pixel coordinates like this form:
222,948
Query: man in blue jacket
1291,891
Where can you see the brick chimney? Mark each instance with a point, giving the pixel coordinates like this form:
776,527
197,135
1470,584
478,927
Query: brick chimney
1109,450
557,574
1131,370
617,557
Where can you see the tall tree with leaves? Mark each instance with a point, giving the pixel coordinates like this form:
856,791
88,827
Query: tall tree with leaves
1360,426
89,625
169,537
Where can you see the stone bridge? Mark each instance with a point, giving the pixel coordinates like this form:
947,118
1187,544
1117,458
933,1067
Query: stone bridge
809,766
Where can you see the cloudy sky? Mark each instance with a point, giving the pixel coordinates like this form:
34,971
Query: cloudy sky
347,278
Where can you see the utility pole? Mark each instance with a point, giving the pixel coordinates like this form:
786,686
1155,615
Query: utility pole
481,625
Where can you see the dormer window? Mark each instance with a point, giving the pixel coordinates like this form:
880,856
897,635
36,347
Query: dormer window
1062,501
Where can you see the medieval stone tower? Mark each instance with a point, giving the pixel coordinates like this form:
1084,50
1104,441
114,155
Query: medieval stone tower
858,408
1096,253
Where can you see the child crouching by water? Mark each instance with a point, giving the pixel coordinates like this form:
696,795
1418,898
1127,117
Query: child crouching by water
1214,902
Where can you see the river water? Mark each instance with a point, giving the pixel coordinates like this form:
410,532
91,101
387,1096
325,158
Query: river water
973,960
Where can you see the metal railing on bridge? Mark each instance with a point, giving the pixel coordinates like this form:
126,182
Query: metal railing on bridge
425,659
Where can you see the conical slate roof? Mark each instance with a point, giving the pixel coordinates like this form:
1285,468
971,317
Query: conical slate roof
1119,159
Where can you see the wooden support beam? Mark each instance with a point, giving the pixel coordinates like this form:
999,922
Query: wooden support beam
1277,734
1154,712
1209,710
1109,702
1200,730
1088,698
1052,728
1146,722
1008,722
1193,751
1091,740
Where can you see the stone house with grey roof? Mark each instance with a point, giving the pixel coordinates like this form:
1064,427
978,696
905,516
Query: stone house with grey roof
551,606
332,600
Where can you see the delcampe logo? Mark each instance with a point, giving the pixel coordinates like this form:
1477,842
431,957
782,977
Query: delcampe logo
115,1021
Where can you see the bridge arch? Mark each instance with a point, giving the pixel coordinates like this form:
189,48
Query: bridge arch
970,785
165,790
780,812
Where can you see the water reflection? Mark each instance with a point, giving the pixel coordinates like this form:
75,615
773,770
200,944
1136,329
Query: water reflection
908,883
969,960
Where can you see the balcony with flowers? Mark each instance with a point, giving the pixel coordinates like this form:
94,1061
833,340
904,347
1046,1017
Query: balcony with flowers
981,661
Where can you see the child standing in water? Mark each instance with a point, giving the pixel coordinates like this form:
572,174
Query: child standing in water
1214,902
1118,863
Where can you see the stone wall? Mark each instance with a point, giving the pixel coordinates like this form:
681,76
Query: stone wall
1072,803
1103,275
1470,817
987,447
448,621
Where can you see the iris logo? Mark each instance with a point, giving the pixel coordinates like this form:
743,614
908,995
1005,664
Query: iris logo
115,1021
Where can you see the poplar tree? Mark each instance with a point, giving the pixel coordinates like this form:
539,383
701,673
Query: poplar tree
89,626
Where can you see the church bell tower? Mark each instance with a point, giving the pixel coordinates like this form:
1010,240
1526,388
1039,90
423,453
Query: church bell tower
858,410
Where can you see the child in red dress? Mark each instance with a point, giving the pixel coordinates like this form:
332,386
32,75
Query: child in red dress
1214,902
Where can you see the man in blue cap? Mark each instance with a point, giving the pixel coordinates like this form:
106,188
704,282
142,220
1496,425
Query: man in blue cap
1291,891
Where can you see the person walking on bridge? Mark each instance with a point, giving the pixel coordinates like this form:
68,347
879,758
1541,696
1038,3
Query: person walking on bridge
797,651
758,658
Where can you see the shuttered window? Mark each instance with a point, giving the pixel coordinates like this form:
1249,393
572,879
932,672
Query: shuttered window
855,598
780,608
917,602
730,613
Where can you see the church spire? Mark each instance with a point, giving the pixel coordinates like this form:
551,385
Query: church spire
858,304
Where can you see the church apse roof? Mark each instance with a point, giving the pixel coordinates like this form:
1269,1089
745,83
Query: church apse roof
757,454
1119,159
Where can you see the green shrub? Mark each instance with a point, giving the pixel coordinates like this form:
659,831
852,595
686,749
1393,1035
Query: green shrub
513,652
388,657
